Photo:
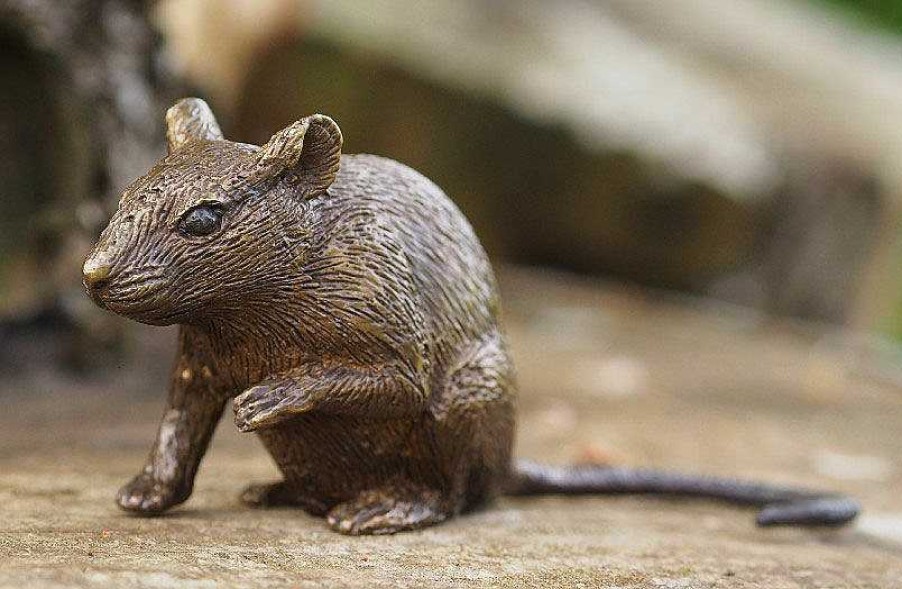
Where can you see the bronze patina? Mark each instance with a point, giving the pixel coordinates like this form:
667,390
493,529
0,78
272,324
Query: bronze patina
345,308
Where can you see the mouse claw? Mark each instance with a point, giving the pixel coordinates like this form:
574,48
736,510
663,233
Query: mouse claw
263,406
250,406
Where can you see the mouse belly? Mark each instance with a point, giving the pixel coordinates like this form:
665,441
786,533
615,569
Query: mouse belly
329,459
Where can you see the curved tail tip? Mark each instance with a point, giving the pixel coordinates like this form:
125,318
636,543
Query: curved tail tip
833,511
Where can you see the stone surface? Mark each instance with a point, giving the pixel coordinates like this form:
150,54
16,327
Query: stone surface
608,373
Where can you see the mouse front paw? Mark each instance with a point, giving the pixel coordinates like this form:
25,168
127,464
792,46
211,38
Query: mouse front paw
146,496
268,404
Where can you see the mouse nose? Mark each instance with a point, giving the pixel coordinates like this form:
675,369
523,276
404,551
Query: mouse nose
95,273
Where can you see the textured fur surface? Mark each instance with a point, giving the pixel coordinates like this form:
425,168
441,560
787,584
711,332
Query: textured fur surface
346,310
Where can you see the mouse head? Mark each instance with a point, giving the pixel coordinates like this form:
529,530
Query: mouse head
215,225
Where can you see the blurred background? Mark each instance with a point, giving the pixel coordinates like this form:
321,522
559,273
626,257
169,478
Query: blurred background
746,151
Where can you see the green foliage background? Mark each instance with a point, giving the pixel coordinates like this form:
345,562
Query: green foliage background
886,14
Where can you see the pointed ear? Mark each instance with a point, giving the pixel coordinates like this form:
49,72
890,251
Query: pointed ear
190,119
309,148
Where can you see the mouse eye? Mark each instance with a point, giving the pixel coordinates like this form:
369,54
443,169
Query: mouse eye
201,220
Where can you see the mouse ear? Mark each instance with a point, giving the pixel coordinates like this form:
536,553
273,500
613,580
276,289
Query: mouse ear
309,148
190,119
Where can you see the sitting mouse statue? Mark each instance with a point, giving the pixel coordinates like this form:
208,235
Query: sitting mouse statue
345,308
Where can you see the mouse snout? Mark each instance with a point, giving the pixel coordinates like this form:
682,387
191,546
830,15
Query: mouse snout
96,272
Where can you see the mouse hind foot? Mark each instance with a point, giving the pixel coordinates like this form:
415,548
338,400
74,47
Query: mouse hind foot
279,494
384,511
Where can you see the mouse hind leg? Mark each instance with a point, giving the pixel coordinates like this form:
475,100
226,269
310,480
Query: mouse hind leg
474,417
471,438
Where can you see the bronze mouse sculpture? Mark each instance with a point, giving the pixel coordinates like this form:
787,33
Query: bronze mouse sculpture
347,309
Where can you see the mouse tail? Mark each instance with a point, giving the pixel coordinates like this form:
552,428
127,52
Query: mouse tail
779,505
